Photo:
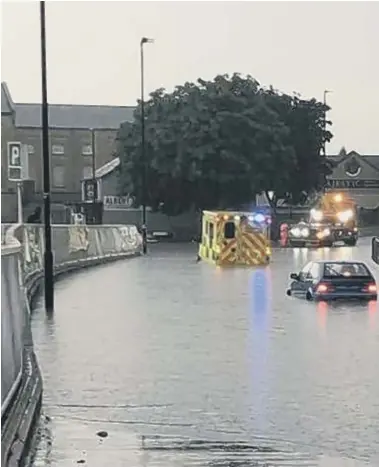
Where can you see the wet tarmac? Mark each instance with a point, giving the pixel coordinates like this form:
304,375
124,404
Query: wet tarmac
162,361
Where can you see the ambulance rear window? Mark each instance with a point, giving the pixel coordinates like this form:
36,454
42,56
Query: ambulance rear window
229,230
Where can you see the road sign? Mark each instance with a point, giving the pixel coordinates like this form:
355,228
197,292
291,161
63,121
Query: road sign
90,190
14,161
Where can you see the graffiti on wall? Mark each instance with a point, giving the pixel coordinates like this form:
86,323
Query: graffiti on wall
78,238
129,237
33,249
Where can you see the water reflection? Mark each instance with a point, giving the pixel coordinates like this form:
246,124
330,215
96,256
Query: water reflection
260,295
347,307
373,313
300,258
322,314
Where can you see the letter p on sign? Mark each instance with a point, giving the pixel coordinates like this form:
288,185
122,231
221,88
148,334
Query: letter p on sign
14,162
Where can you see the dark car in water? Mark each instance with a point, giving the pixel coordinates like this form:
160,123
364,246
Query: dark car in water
331,280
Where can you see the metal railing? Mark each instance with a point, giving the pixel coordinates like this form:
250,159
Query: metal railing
375,250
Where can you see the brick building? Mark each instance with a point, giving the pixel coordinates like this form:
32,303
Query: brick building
70,147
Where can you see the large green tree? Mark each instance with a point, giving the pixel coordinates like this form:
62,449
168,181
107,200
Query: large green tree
215,144
307,126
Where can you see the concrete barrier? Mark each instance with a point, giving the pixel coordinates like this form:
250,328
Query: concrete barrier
11,322
22,252
21,382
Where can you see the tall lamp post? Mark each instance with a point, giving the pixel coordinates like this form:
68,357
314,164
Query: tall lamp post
144,41
326,92
94,181
48,255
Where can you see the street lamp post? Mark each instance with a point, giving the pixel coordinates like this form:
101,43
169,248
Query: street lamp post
144,40
325,94
48,255
94,181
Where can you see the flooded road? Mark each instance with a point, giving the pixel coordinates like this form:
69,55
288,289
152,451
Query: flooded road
180,352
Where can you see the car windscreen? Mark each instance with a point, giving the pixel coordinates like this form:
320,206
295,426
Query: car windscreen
348,270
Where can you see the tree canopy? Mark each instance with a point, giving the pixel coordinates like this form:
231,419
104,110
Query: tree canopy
215,144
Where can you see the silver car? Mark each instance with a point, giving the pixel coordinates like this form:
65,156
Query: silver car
331,280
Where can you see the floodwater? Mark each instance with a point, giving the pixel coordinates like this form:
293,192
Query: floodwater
181,363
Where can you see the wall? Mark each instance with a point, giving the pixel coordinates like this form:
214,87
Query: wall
22,251
11,322
76,243
21,382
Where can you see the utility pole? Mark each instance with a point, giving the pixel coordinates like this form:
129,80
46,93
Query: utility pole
48,255
144,40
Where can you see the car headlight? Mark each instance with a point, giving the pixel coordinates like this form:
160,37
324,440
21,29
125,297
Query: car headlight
304,232
296,232
344,216
326,232
317,215
323,233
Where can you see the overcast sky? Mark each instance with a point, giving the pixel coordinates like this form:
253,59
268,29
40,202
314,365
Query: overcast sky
296,46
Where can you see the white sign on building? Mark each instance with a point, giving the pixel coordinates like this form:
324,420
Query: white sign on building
118,202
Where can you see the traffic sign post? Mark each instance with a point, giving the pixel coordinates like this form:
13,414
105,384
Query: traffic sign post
14,162
15,173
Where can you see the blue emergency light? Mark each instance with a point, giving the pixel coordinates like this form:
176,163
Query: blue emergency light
260,218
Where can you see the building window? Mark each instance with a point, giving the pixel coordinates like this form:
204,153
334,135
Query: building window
57,149
87,172
58,176
87,150
30,149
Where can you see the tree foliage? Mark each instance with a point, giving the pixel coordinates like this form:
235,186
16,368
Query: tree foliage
215,144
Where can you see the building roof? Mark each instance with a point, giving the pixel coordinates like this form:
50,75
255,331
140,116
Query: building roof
7,106
74,116
67,116
371,159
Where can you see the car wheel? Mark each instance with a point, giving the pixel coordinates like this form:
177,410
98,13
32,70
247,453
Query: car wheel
289,292
309,296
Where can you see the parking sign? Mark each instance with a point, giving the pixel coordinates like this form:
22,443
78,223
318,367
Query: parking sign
14,162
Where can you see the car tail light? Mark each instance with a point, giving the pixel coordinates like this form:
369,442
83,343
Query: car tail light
321,288
371,288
